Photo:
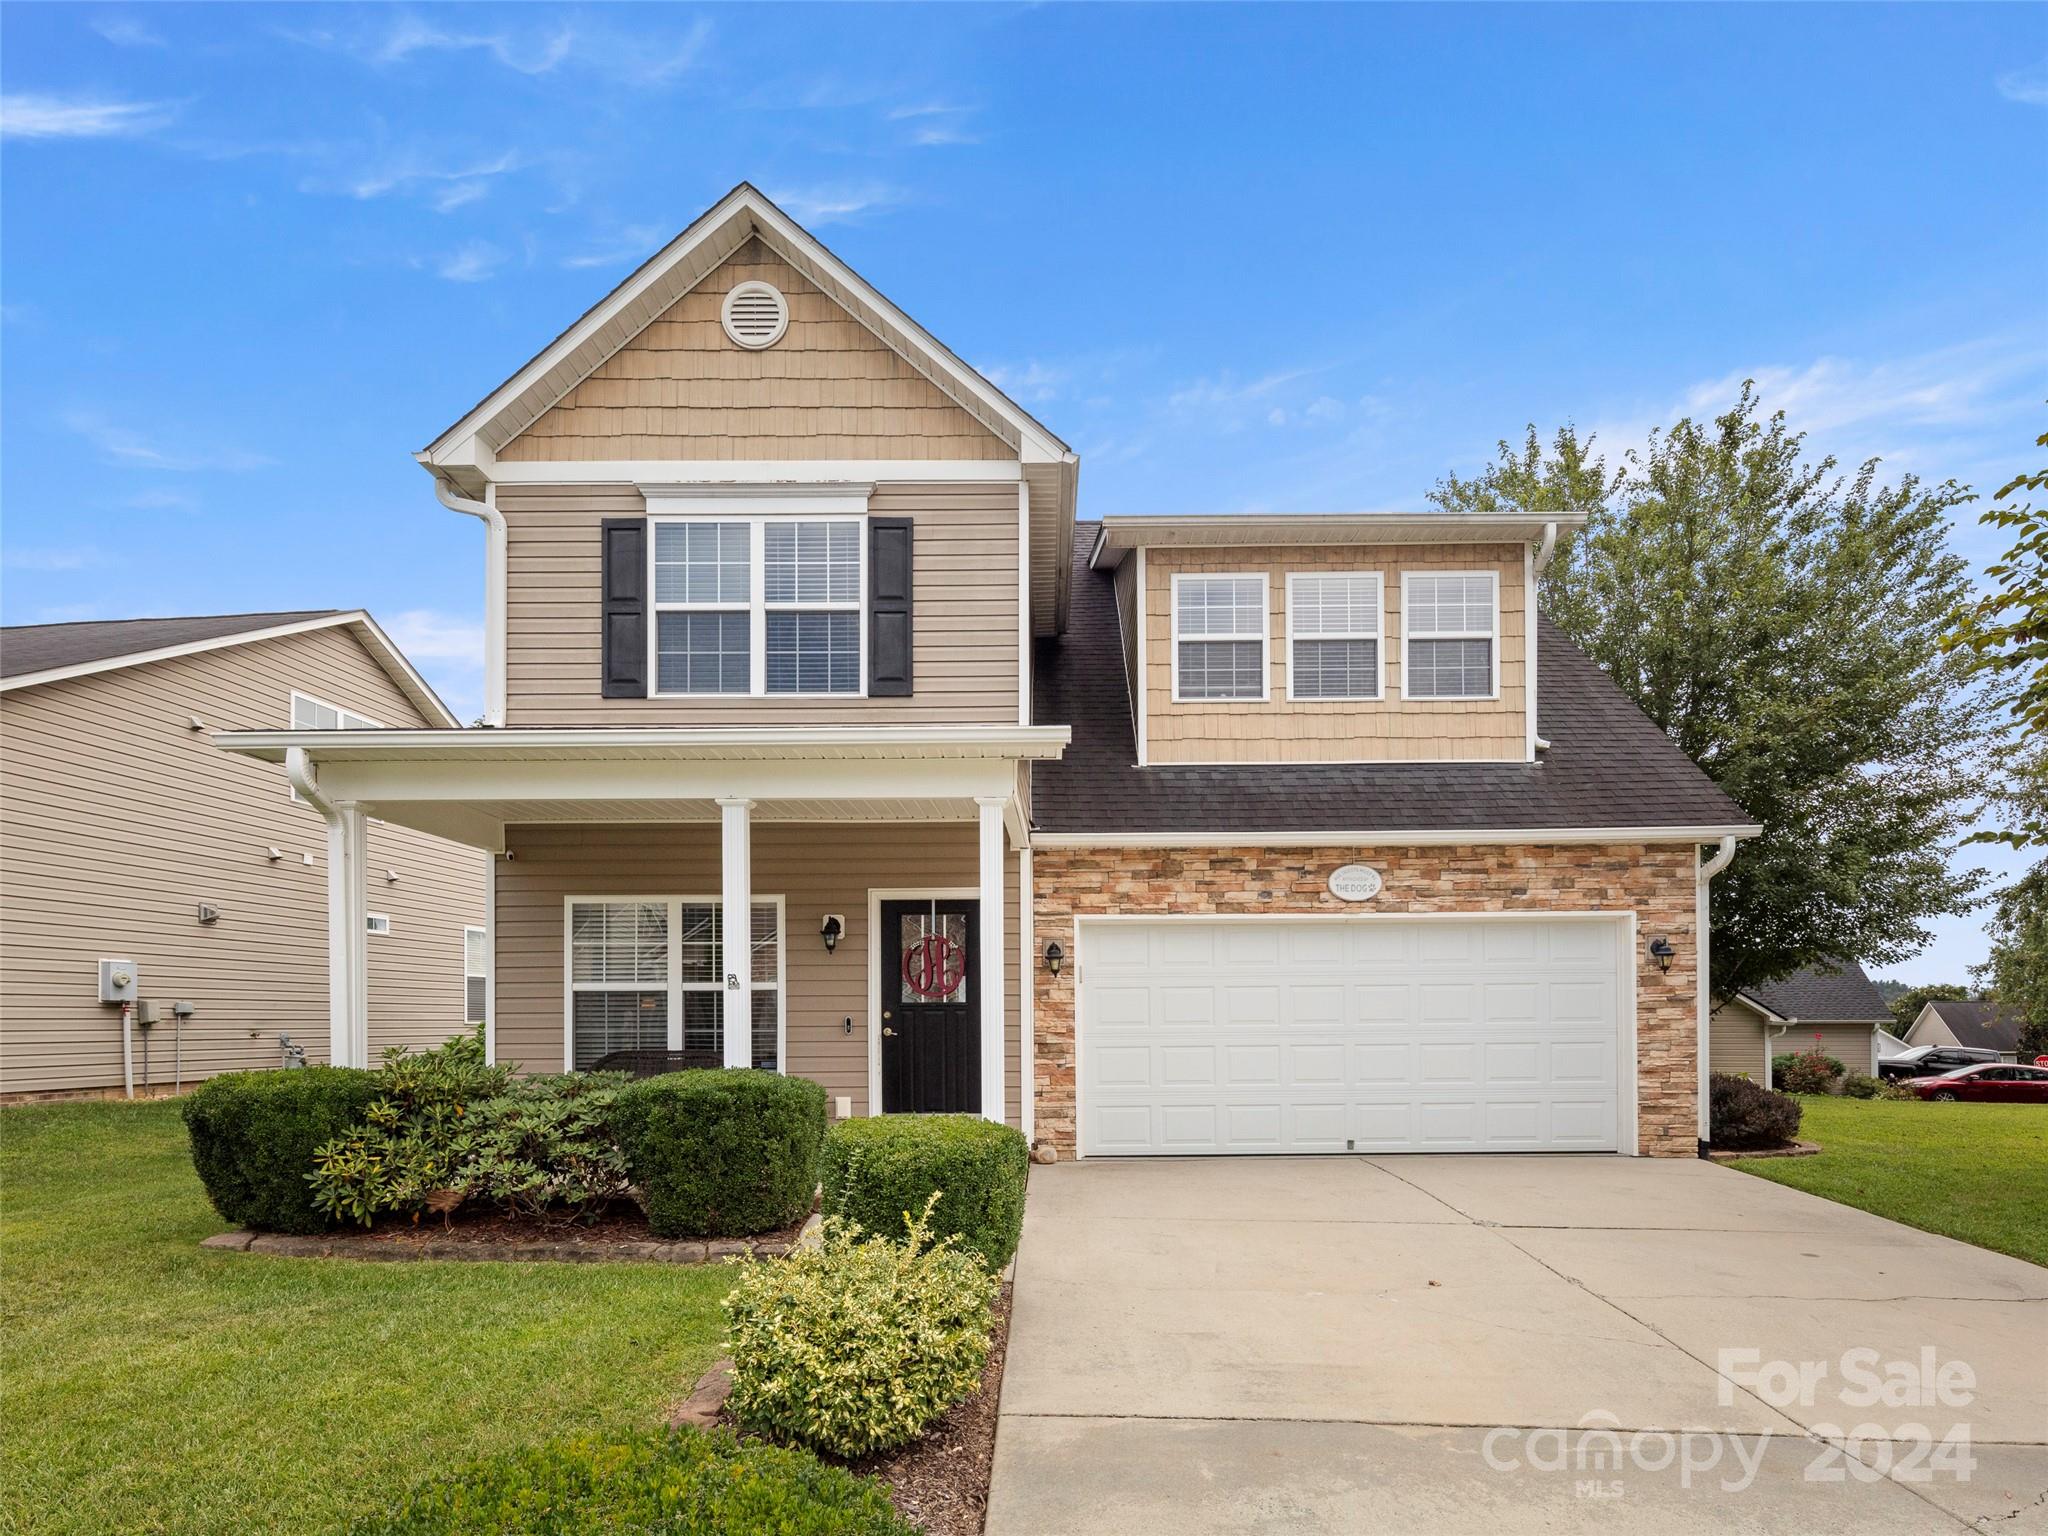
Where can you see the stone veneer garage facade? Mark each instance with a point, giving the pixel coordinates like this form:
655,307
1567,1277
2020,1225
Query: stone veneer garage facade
1654,883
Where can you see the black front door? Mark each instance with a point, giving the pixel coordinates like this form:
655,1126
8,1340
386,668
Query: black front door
931,1015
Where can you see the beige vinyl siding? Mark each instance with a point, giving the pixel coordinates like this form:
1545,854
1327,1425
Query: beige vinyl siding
816,868
117,819
1735,1042
1853,1045
829,389
964,619
1283,730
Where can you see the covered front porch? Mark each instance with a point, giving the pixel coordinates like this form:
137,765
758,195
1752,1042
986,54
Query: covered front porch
882,877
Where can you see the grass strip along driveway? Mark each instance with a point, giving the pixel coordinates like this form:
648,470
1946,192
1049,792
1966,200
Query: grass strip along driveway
1978,1172
150,1386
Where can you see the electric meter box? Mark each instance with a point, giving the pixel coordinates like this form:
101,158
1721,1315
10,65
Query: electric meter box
119,981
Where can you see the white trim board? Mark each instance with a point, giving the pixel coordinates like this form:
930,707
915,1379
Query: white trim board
380,646
1628,1137
671,473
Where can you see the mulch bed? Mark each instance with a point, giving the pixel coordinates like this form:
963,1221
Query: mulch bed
940,1482
621,1233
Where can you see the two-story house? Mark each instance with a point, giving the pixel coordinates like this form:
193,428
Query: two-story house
1149,835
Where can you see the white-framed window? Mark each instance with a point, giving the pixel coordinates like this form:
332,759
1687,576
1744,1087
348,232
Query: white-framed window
379,924
311,714
476,961
1450,631
1219,637
647,973
765,606
1333,635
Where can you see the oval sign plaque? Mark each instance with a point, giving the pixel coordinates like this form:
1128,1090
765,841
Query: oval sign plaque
1355,882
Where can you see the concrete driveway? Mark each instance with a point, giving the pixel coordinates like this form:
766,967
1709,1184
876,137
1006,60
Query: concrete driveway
1433,1344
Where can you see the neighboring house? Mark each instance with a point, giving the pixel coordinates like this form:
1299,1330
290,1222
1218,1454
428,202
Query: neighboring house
126,836
1148,835
1973,1022
1839,1010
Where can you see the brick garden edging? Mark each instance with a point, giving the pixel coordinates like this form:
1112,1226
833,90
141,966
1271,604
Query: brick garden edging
1797,1149
349,1246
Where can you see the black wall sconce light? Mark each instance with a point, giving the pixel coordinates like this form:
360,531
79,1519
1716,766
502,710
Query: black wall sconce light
1661,952
1055,957
830,930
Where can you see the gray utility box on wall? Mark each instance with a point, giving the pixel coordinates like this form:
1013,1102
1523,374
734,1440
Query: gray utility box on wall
119,981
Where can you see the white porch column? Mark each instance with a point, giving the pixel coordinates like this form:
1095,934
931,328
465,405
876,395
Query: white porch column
348,921
994,992
736,924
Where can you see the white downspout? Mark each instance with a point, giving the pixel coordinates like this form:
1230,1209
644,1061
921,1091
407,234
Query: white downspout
1703,986
494,589
1537,567
1547,548
348,981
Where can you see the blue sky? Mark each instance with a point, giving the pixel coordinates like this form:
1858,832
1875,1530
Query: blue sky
1303,258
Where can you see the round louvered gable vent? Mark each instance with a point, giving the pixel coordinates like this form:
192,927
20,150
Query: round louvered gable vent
756,315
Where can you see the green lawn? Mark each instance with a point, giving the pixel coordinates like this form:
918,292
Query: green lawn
148,1386
1974,1171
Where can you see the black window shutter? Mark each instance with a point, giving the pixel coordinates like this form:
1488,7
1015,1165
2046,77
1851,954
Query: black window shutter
625,607
889,579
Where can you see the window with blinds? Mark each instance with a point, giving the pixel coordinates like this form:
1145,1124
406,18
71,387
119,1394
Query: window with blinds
1219,637
649,975
1333,635
1450,623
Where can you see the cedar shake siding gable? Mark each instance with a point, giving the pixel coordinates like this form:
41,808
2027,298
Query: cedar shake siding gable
964,642
1608,765
117,819
683,390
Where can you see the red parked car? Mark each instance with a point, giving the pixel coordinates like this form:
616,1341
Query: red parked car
1992,1083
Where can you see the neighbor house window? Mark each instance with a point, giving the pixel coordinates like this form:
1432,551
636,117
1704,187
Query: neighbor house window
1219,637
1450,623
1333,635
760,606
311,714
476,959
630,988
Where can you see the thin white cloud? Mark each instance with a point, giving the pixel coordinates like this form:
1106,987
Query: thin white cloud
1033,381
69,613
39,116
935,135
407,169
629,247
458,194
634,58
925,109
127,32
2028,84
836,204
473,263
74,559
125,446
449,649
160,500
531,55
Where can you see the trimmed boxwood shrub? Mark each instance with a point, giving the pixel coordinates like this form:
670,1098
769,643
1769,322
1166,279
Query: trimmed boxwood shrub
721,1153
680,1484
1744,1115
254,1134
881,1170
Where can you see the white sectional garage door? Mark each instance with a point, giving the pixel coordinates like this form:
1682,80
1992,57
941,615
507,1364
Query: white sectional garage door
1381,1035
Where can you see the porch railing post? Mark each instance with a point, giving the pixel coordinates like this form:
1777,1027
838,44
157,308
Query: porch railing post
736,927
994,949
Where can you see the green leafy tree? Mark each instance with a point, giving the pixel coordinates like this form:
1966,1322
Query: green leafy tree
1783,624
2017,971
2004,633
1907,1005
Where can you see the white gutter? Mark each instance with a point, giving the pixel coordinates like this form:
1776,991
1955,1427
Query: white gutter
1703,985
773,742
494,589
